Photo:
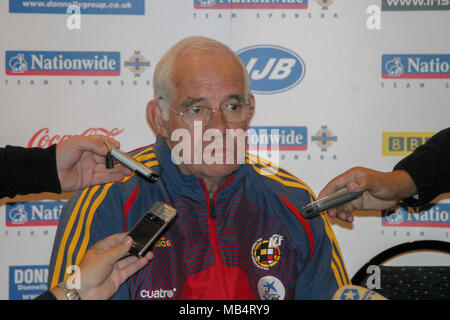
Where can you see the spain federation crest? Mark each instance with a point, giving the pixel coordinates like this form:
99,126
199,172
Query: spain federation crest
267,253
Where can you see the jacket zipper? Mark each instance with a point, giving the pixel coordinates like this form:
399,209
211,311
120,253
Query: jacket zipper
212,209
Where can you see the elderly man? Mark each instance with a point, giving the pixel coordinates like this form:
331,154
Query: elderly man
238,233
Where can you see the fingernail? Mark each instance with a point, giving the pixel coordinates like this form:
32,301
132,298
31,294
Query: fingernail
127,241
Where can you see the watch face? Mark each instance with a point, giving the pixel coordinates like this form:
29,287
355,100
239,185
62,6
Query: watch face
72,294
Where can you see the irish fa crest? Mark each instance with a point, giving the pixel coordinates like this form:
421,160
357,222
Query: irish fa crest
137,64
325,3
324,138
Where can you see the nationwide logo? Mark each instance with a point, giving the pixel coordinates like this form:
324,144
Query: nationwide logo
408,5
132,7
250,4
281,138
137,64
43,139
324,138
437,216
26,214
415,66
27,282
62,63
403,143
272,69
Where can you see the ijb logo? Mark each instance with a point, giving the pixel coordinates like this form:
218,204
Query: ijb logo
272,69
403,143
24,214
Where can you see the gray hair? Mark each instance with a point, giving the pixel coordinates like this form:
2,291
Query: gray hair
164,90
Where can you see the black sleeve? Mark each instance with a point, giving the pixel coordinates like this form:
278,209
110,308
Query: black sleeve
28,170
47,295
429,167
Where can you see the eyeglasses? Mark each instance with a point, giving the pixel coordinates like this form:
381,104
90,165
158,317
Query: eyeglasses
232,113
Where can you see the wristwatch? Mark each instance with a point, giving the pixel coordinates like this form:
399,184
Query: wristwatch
71,293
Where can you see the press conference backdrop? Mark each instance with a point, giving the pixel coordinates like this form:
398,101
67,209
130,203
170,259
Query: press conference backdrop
338,83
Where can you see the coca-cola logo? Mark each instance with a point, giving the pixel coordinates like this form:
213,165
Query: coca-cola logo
44,139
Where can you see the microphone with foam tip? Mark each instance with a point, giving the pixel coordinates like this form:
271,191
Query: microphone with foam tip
351,292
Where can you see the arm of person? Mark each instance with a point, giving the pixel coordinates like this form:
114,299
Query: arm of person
104,268
68,166
424,172
381,190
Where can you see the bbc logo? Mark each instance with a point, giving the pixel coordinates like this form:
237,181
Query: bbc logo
403,143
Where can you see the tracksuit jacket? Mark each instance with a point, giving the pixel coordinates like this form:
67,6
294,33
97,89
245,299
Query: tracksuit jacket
248,242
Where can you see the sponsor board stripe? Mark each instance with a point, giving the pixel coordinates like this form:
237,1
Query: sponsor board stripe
339,268
418,76
62,73
417,224
62,245
253,6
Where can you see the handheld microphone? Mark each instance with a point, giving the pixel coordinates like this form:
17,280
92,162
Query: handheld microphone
351,292
130,163
314,209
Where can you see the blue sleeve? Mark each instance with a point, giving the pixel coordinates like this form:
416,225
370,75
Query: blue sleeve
320,267
324,272
89,216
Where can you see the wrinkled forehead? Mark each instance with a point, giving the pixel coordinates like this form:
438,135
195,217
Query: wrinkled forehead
202,67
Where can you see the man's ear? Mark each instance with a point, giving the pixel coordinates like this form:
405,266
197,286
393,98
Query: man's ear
252,99
154,115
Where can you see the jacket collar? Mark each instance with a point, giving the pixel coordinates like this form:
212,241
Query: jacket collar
187,185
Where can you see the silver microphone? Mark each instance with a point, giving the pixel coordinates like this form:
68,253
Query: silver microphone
132,164
314,209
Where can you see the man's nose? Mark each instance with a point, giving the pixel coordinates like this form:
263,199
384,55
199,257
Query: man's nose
218,122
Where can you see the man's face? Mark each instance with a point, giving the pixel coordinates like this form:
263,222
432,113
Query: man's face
208,80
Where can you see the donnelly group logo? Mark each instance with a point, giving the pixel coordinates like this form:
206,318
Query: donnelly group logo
415,66
250,4
62,63
27,282
27,214
123,7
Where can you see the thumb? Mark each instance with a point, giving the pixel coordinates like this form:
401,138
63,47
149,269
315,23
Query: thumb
121,249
